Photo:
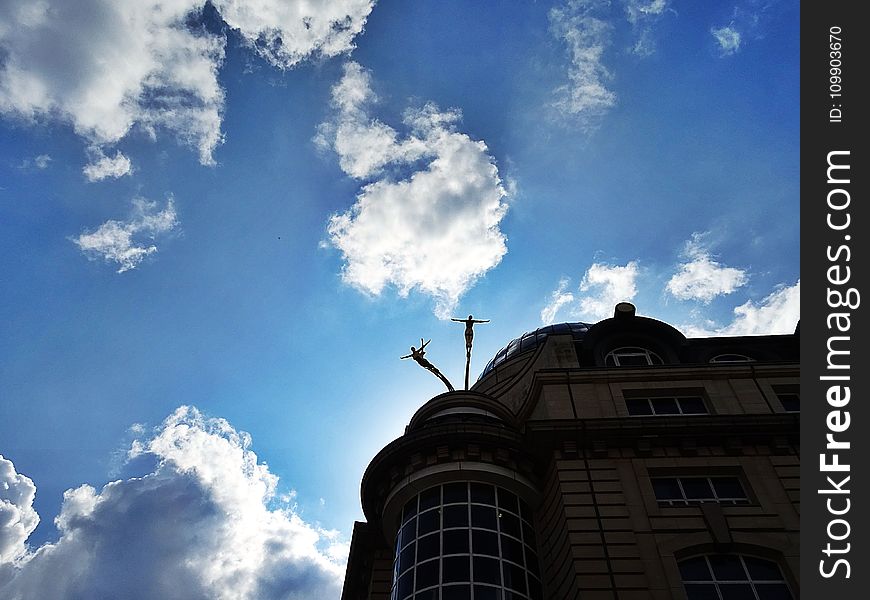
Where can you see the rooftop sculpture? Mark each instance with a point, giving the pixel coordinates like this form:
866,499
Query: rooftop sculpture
469,338
419,357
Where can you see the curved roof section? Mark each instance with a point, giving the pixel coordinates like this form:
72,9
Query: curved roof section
531,340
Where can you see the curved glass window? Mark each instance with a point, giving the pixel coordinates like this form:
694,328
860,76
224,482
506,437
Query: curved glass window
533,339
466,541
631,356
733,577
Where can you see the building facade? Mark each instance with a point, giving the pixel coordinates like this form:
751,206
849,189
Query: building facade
616,460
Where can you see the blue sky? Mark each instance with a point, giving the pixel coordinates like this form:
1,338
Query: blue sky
254,208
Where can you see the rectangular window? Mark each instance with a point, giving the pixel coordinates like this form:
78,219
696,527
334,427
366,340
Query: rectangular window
683,491
667,405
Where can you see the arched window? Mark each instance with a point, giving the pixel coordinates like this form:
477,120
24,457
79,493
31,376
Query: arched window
731,358
630,356
733,577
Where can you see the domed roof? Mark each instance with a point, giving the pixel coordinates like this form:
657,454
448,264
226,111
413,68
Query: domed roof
531,340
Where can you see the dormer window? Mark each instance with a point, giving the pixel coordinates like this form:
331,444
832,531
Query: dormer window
630,356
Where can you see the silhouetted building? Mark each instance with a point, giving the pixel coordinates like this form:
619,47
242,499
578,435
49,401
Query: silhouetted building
618,460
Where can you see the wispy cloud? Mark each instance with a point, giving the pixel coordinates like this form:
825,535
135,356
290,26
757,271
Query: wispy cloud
428,217
128,243
559,298
581,25
203,524
702,278
588,29
727,38
40,162
778,313
103,167
644,15
106,67
748,21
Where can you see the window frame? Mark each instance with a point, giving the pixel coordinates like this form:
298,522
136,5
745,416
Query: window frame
512,530
651,357
715,581
745,500
676,397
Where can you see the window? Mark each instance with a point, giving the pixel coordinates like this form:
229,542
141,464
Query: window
733,577
466,540
666,405
682,491
731,358
789,396
632,357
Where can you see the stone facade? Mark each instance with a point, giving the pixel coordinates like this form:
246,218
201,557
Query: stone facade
638,452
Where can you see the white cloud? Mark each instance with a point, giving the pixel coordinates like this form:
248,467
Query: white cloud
102,166
18,519
202,525
37,162
588,29
428,218
702,278
612,284
727,38
106,67
638,10
643,16
560,298
122,241
286,33
581,25
601,289
778,313
749,21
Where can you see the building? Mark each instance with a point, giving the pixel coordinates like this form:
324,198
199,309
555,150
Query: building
616,460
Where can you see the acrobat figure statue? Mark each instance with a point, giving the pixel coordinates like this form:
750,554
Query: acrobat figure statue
469,339
419,358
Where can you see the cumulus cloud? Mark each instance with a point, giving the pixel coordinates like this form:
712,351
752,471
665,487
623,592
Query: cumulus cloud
286,33
18,519
559,298
128,242
102,166
203,524
427,218
702,278
581,25
106,67
777,313
610,285
727,38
